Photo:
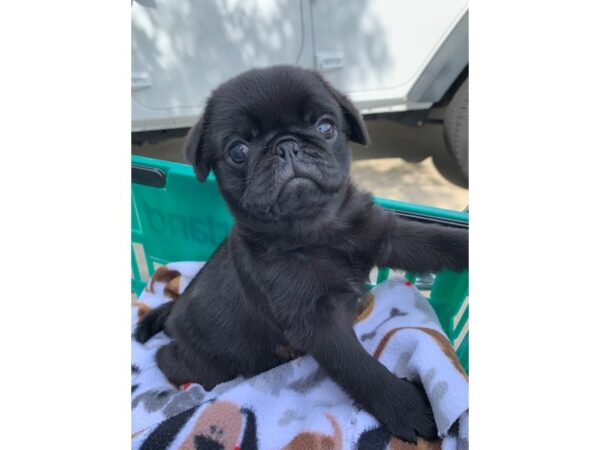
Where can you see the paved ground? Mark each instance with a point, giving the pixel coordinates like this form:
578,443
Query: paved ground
412,182
379,169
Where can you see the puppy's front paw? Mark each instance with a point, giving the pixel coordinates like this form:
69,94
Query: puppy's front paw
150,324
144,330
407,413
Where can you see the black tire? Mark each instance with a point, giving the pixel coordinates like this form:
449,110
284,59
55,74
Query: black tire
456,127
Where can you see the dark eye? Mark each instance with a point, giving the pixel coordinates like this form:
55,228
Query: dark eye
238,152
327,129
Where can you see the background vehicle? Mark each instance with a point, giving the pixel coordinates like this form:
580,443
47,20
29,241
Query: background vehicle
403,63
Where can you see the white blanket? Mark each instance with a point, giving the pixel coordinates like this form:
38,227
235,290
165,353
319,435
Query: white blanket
296,405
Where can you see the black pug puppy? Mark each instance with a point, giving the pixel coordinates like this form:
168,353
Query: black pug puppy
291,272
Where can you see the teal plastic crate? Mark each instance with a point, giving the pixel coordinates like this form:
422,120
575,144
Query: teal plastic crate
176,218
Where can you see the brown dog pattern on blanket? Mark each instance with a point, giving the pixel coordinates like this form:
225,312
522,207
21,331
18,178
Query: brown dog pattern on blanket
438,337
380,439
365,307
219,426
142,309
311,440
170,277
163,274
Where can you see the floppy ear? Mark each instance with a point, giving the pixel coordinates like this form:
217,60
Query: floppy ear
357,130
194,149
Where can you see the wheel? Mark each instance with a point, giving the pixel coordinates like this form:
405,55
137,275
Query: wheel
456,128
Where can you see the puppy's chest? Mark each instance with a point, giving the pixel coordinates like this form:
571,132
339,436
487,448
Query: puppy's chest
332,264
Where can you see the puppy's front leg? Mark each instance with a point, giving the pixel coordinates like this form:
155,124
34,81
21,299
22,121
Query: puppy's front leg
419,247
401,406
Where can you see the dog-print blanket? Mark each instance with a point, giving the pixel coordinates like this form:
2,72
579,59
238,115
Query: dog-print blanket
296,405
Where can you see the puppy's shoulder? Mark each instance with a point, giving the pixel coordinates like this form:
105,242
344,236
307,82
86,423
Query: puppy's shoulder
358,205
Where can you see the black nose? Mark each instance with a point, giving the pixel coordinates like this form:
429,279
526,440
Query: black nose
287,149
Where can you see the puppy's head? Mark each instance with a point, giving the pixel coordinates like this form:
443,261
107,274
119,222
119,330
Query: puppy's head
277,140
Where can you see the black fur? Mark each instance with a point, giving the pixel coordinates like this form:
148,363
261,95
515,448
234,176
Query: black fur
154,321
299,255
